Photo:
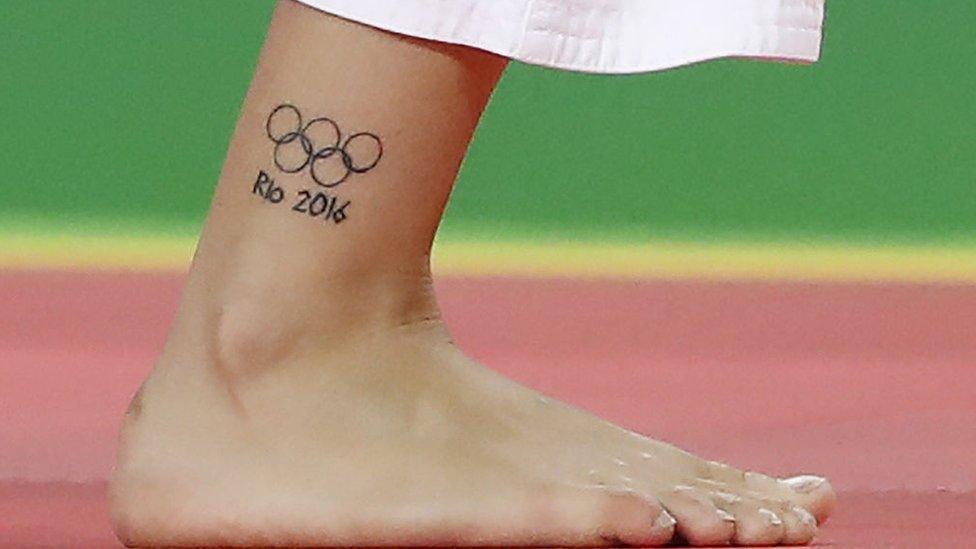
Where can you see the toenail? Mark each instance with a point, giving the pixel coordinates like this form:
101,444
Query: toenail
805,484
718,486
805,517
771,517
727,497
724,515
751,477
713,467
665,521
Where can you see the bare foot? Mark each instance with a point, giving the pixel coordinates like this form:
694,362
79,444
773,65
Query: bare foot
309,395
388,435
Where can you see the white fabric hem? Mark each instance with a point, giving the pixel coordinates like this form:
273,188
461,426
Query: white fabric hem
604,36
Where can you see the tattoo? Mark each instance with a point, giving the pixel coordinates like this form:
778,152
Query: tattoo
330,165
310,203
318,145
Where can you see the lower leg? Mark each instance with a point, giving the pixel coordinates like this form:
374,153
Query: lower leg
308,393
421,101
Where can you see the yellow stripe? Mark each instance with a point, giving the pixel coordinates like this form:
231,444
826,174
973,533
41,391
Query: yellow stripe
725,261
95,252
457,257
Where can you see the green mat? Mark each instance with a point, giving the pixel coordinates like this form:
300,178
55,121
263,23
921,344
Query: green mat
118,113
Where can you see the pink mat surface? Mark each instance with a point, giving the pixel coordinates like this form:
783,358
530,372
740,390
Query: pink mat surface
874,386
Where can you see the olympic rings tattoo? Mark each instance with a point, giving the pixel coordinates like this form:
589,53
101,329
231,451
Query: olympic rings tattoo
312,156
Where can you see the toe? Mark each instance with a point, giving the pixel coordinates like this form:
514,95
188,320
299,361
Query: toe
700,522
597,516
636,520
756,521
815,494
810,492
799,526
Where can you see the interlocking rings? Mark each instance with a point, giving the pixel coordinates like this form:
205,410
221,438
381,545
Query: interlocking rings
363,144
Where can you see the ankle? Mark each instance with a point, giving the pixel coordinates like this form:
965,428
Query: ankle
257,328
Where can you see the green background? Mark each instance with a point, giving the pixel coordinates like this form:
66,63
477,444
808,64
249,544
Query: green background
117,113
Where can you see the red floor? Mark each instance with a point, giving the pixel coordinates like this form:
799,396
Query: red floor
874,386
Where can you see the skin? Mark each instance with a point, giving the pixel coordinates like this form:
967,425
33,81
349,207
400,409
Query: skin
309,394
